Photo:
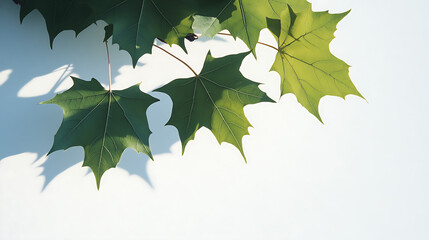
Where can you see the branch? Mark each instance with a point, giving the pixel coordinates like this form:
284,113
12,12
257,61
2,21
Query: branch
177,59
267,45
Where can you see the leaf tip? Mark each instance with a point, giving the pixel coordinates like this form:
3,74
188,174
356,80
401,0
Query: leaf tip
96,175
240,148
254,53
51,40
320,119
209,56
50,151
149,154
135,61
344,14
50,101
183,148
268,99
361,96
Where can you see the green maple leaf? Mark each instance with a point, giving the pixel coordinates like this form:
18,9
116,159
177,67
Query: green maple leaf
137,23
60,15
280,5
214,99
206,26
247,20
104,123
134,24
304,62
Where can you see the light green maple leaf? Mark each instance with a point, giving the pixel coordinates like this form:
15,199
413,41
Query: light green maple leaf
280,5
247,20
214,99
60,15
206,26
104,123
304,62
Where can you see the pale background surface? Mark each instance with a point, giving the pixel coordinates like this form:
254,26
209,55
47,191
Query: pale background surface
364,174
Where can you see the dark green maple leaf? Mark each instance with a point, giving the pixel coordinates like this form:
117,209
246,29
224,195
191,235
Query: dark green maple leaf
104,123
60,15
214,99
137,23
304,62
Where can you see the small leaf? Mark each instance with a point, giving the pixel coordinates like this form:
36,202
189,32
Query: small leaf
214,99
306,66
104,123
207,26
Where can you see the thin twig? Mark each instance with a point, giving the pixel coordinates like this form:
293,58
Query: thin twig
269,46
227,34
177,59
110,71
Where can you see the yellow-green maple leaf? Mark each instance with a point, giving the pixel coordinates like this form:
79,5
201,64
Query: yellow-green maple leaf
304,62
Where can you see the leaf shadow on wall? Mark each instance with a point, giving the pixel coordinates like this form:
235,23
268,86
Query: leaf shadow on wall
26,125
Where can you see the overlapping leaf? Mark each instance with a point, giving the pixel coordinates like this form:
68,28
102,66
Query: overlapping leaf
214,99
280,5
104,123
137,23
247,20
306,66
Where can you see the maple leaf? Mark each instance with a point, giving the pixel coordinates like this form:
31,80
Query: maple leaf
304,62
280,5
137,23
247,20
104,123
60,15
214,99
206,26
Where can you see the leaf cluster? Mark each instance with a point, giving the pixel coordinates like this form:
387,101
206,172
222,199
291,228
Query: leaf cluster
106,122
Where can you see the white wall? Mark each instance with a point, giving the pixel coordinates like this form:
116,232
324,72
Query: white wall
361,175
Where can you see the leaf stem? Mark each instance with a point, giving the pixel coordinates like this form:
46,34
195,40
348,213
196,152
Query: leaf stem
177,59
267,45
110,71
